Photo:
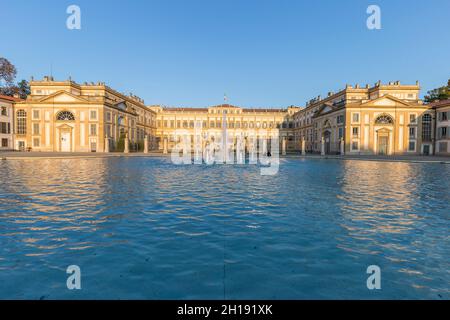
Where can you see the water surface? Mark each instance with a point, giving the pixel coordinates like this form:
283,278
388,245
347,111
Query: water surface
143,228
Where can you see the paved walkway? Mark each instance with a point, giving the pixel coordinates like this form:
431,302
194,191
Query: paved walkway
12,155
15,155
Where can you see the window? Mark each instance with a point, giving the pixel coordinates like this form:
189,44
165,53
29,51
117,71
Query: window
36,128
4,143
355,145
412,118
341,133
36,142
36,114
65,116
443,146
108,116
5,127
426,127
442,132
93,115
443,116
340,119
355,131
384,119
4,113
21,122
355,117
93,130
108,130
412,146
412,133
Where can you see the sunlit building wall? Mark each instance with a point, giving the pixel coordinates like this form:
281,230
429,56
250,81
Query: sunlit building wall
65,116
382,119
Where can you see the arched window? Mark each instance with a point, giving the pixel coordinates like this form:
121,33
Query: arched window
120,121
384,119
426,127
65,116
21,122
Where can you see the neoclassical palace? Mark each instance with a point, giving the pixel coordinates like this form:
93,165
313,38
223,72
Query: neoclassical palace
380,119
91,117
388,119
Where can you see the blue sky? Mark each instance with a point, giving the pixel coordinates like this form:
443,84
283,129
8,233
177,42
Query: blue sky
261,53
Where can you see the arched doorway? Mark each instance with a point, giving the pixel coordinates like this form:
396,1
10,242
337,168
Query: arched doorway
65,131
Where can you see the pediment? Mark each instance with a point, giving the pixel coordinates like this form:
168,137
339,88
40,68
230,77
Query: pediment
387,100
325,108
122,105
64,97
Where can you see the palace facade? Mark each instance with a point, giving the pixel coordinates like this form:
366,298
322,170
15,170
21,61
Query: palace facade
442,110
261,123
7,122
382,119
65,116
388,119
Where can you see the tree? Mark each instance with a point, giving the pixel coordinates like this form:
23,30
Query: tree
7,76
23,89
7,72
441,93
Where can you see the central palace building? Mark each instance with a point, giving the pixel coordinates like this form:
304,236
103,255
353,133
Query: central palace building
64,116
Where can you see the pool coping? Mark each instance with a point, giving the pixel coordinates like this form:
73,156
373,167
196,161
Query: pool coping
57,155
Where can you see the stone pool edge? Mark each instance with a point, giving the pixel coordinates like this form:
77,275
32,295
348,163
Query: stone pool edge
57,155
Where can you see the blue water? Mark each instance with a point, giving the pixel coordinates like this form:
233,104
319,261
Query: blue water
143,228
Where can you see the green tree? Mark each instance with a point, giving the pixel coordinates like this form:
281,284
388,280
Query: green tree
23,89
441,93
7,76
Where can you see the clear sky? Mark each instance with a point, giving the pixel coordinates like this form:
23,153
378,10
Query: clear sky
260,53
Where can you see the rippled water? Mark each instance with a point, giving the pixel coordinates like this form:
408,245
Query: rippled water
144,228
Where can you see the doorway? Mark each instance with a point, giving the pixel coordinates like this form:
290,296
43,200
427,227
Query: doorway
65,141
383,143
327,138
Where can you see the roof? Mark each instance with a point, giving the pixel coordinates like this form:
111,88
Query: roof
186,109
442,103
12,99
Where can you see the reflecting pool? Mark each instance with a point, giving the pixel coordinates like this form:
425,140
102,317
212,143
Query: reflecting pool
143,228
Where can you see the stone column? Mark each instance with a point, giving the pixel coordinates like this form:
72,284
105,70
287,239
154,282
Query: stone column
303,147
342,145
146,144
165,151
106,144
264,146
322,147
283,146
127,145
